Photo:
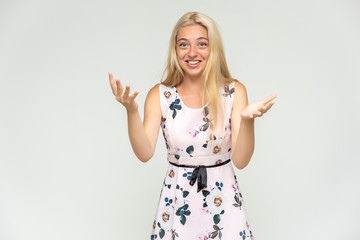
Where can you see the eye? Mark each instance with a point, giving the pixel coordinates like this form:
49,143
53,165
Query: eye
203,44
182,45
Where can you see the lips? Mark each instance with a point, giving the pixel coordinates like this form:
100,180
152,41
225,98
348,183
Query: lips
193,63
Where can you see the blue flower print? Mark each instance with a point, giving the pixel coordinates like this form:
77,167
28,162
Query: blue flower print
175,106
183,212
168,201
243,234
219,185
187,175
187,153
180,203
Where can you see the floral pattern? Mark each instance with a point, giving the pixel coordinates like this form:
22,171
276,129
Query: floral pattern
165,219
217,211
185,153
180,203
208,123
175,106
213,146
171,177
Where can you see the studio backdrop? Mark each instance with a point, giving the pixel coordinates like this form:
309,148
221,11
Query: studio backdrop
67,170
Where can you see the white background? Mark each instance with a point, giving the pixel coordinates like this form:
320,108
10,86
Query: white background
67,170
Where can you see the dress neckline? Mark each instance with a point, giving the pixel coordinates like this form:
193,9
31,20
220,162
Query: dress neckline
178,95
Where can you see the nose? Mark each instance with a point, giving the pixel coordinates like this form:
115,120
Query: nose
192,51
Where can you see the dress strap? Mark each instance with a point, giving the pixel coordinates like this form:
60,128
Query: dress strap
167,96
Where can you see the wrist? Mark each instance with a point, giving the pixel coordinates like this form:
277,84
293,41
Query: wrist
131,110
247,120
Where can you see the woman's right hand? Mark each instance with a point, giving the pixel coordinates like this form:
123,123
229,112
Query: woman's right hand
123,96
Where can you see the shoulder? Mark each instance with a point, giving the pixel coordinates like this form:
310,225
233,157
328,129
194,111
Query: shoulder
160,95
154,92
234,86
239,87
152,109
240,99
160,89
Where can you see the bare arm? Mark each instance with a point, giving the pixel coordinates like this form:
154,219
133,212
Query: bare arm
143,135
242,124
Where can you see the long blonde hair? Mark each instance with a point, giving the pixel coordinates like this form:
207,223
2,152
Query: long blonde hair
216,73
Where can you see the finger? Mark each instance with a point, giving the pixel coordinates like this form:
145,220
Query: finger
269,98
112,82
133,96
119,88
127,90
268,106
111,77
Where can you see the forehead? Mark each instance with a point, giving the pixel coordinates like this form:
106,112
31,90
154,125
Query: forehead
192,32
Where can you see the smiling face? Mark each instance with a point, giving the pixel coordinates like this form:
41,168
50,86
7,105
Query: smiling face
192,49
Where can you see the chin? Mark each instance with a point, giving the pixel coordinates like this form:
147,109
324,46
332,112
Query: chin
193,73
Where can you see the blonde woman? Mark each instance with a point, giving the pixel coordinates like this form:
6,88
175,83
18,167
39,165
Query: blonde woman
207,123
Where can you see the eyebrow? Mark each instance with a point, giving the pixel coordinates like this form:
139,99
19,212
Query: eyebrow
196,39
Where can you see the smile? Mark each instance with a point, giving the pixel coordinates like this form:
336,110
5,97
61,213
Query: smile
193,63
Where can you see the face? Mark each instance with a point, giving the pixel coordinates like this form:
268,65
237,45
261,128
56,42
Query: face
192,49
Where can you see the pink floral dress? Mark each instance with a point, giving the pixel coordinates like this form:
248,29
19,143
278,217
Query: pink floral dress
200,197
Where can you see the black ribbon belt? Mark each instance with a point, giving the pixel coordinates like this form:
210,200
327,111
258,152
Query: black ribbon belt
199,173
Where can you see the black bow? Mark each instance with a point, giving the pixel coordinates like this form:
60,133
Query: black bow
200,175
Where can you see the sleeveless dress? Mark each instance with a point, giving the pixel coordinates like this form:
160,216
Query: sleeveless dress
200,198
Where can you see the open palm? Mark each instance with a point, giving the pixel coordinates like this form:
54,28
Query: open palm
258,108
123,96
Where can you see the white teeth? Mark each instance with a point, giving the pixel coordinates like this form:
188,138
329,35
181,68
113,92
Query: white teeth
193,62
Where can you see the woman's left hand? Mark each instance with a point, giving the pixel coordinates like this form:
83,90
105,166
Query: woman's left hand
258,108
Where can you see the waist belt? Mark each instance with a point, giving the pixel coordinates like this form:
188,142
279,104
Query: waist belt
199,173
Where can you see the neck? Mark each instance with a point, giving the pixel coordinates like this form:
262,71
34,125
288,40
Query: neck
192,83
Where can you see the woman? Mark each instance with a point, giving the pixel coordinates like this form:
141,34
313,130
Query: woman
206,122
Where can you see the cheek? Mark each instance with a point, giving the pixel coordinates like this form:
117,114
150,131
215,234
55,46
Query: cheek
205,54
179,59
180,54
